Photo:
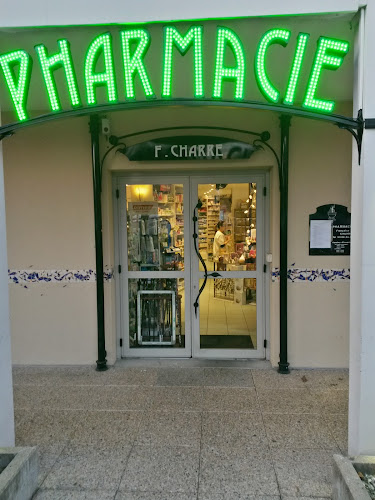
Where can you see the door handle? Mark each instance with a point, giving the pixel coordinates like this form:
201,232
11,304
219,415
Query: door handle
196,248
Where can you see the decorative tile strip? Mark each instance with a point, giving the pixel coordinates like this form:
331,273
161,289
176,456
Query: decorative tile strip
296,275
28,276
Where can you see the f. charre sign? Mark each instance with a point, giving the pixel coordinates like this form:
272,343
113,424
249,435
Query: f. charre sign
17,68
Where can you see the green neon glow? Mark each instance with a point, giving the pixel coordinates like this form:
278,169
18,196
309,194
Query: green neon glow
49,64
323,60
134,63
296,68
101,44
227,37
281,37
18,89
173,37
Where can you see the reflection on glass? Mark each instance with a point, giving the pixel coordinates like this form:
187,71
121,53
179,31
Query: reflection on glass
155,227
227,314
227,226
156,313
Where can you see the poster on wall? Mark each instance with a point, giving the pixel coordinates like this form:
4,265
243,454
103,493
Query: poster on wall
330,230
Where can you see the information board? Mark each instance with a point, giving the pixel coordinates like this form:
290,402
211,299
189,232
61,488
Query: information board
330,229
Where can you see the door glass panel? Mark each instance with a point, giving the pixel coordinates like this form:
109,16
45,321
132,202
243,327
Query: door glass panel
227,225
227,314
155,227
157,313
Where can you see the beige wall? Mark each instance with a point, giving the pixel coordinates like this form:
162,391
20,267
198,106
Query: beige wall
49,200
50,226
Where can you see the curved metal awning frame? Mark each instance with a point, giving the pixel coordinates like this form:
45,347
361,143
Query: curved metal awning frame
339,120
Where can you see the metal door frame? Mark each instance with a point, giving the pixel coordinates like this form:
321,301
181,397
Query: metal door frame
123,315
260,352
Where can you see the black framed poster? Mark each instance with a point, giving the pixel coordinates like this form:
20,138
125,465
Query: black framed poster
329,230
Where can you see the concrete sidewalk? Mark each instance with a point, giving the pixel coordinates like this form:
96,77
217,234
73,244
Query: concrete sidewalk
182,430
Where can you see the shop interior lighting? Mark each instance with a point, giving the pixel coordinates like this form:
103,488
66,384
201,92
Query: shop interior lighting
227,38
101,45
324,59
18,90
134,63
281,37
173,37
49,64
296,68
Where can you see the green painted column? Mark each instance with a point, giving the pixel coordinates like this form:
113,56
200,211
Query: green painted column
101,363
284,167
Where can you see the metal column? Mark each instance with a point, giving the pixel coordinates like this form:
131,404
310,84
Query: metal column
101,363
284,166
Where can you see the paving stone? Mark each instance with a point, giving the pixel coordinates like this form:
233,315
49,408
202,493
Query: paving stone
28,397
271,379
170,429
228,377
162,469
142,377
66,494
332,400
304,472
236,472
140,495
47,426
86,422
287,401
298,431
88,467
180,377
338,425
176,399
328,379
117,398
304,498
230,399
67,398
57,375
107,428
230,495
233,430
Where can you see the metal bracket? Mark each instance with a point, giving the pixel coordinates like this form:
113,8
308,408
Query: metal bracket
358,132
6,134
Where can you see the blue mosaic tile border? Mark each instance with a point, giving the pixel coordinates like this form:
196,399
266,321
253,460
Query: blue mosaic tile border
296,275
24,277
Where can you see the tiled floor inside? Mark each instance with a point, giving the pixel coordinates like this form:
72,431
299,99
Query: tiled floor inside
182,430
219,316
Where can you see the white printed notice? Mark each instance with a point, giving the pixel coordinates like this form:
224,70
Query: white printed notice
320,233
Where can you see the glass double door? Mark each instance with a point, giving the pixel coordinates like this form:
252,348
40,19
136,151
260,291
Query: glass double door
191,252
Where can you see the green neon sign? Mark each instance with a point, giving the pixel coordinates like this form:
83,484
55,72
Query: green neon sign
18,88
102,45
61,59
134,63
100,69
173,37
272,36
330,55
296,68
227,38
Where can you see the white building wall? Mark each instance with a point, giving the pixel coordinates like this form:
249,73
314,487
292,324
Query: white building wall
6,394
70,12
